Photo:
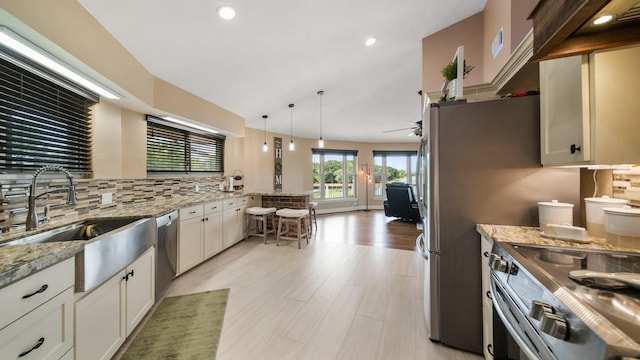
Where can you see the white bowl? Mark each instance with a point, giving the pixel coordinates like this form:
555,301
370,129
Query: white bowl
554,212
595,214
622,226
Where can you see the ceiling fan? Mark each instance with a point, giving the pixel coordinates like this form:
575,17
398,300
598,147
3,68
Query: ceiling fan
416,129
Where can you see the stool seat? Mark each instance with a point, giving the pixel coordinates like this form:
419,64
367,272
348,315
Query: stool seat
292,213
298,218
257,210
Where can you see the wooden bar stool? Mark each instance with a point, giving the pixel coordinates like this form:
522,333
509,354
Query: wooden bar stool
297,217
261,216
312,213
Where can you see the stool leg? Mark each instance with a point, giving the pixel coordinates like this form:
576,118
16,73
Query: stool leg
299,232
279,232
264,228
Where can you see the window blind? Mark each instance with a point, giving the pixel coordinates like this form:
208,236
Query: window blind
42,123
315,151
171,149
394,153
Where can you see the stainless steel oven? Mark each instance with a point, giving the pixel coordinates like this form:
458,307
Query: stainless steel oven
552,310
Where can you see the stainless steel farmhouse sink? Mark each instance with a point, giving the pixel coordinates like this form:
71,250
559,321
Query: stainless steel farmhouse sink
111,245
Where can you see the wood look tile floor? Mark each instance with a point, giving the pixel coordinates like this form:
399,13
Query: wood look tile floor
349,294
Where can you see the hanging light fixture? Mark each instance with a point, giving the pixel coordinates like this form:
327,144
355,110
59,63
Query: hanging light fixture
265,147
292,146
321,140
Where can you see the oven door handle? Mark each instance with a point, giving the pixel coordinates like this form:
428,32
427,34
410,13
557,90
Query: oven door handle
524,347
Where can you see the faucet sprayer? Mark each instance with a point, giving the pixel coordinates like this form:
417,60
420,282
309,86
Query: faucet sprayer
32,215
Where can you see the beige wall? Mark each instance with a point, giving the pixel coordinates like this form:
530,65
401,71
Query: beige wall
438,50
477,33
134,145
107,141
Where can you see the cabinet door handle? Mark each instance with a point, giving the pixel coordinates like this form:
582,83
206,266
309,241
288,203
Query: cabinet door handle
37,345
42,289
490,349
192,212
489,295
129,274
574,148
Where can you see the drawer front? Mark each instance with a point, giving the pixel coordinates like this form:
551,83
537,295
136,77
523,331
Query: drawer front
25,295
243,201
44,333
191,212
230,203
213,207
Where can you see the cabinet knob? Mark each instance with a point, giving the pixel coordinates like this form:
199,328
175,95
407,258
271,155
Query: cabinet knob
574,148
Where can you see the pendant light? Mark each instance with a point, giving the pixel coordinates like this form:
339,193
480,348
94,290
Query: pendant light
292,146
321,140
265,147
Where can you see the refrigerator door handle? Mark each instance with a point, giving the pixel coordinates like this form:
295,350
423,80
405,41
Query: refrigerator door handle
419,179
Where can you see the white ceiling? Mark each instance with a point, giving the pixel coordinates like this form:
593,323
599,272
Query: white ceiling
283,51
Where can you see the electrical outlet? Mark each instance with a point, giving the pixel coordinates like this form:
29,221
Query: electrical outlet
107,198
197,187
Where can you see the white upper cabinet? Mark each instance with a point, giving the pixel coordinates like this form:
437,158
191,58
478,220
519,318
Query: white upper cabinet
589,108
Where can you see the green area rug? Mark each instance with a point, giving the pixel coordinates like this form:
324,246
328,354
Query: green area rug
182,327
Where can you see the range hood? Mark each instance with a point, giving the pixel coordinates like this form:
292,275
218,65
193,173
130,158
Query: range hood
565,27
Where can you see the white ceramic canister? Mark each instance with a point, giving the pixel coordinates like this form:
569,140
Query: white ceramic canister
554,212
622,226
595,214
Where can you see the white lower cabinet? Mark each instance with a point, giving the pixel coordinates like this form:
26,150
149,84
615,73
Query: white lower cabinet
233,226
36,320
212,236
106,316
487,305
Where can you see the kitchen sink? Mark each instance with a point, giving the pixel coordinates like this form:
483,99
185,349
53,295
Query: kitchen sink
83,230
111,244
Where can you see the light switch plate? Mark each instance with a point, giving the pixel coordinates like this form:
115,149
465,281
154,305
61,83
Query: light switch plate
107,198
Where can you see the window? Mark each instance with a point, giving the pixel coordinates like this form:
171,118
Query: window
43,119
173,149
393,166
334,173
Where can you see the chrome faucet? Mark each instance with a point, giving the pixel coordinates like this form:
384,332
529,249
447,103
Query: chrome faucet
32,215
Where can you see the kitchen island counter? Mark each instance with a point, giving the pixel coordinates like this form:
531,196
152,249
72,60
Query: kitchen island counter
531,236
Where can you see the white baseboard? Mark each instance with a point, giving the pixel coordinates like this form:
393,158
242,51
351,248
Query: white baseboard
347,209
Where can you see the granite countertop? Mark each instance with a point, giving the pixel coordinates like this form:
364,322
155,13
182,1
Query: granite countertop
531,236
19,261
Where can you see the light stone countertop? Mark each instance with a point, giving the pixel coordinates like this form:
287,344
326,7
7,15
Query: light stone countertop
19,261
531,236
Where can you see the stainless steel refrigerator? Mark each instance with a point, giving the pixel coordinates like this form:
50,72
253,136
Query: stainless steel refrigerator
478,163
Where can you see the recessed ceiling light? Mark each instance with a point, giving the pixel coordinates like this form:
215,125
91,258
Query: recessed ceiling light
370,41
603,19
226,12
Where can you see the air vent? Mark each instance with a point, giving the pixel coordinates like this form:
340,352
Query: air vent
632,14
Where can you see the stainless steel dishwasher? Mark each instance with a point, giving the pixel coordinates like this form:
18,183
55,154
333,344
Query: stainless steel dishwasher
167,251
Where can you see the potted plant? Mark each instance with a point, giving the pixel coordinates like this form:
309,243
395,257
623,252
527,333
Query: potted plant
450,75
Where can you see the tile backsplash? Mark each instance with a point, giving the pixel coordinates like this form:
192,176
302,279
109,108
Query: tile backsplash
14,195
626,185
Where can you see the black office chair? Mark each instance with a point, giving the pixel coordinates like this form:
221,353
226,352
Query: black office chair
401,202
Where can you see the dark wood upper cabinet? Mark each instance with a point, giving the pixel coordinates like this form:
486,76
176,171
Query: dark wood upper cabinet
565,27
